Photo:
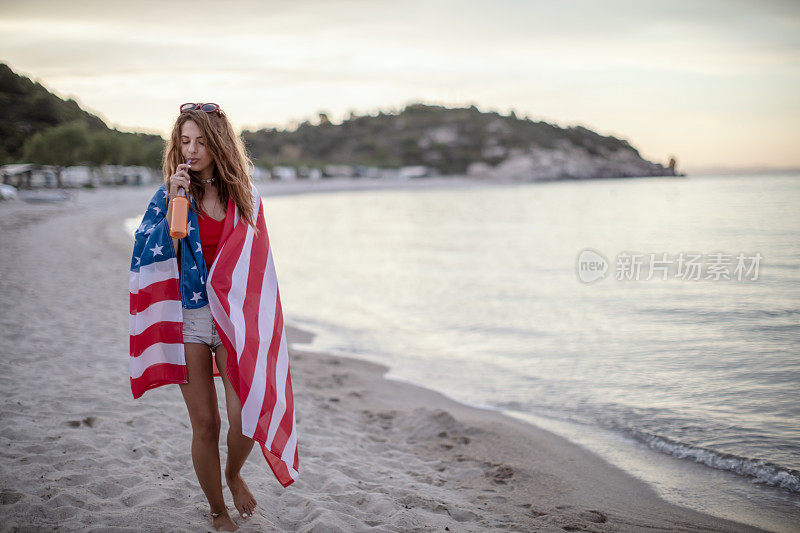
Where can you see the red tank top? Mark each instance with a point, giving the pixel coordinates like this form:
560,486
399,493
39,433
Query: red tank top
210,232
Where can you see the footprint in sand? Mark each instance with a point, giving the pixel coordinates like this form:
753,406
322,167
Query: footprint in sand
594,516
498,472
535,512
385,418
88,421
454,440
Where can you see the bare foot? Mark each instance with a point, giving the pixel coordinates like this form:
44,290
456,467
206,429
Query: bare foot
224,522
242,497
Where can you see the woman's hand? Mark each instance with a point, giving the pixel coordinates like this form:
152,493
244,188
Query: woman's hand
179,179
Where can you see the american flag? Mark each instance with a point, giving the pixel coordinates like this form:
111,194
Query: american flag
242,292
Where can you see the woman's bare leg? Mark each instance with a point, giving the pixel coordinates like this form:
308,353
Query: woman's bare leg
200,396
239,446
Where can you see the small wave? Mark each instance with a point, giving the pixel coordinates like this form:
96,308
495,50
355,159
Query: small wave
759,470
777,328
721,315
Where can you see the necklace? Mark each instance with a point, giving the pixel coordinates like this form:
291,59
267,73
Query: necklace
209,180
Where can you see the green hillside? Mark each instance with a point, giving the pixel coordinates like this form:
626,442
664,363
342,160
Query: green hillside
445,138
39,127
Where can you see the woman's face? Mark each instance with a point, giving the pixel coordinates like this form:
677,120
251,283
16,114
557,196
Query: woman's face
193,146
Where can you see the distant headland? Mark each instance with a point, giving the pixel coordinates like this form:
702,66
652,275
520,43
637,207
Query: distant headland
418,141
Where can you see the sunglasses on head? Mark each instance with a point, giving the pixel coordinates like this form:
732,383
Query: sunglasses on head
208,108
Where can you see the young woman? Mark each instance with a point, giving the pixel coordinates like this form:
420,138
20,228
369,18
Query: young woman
195,314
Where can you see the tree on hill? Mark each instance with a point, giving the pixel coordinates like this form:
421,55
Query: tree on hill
62,145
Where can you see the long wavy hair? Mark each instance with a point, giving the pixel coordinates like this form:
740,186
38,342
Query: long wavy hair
232,166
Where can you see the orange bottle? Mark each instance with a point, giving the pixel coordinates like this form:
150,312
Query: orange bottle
180,215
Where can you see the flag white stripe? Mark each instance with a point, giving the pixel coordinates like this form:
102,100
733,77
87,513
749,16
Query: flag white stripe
251,410
238,292
217,309
281,369
163,311
153,273
157,353
218,312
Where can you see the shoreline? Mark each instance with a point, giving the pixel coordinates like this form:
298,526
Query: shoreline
374,452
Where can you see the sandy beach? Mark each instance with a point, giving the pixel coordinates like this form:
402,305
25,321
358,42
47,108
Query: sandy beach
77,452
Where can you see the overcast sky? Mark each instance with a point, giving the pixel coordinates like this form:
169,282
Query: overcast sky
712,82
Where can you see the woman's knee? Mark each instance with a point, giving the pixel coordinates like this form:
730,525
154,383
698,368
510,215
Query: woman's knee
207,428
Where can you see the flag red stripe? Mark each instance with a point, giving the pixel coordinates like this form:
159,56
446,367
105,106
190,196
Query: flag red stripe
231,365
170,332
278,467
157,375
227,259
252,308
284,430
226,262
169,289
271,392
287,422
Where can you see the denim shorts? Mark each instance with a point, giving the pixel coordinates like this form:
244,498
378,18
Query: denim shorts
198,326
